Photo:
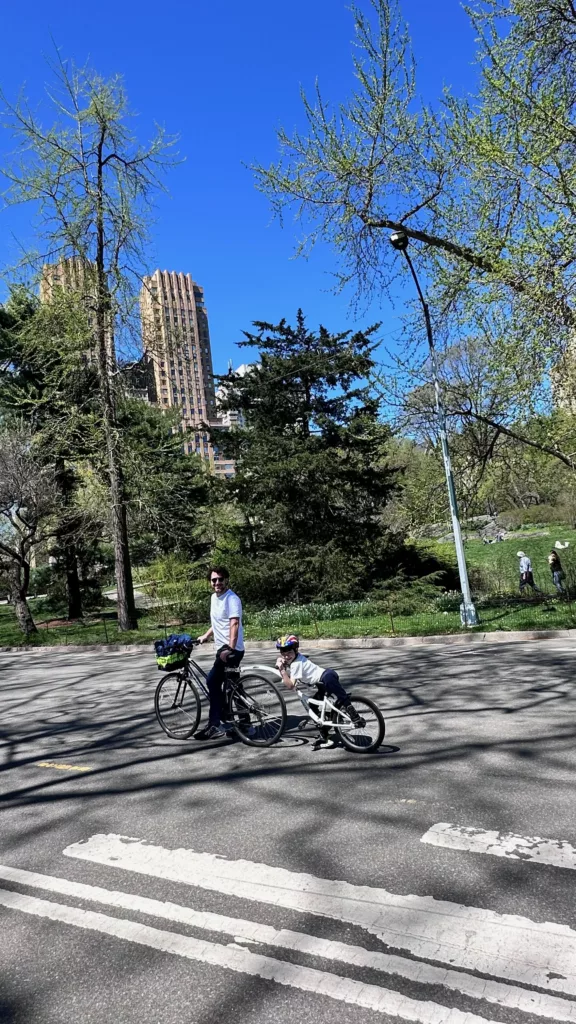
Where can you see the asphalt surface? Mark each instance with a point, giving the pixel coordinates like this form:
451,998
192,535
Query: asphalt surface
481,737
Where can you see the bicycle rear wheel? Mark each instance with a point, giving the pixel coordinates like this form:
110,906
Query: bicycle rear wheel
177,705
364,739
257,710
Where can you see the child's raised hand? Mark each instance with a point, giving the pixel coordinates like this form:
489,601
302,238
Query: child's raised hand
280,663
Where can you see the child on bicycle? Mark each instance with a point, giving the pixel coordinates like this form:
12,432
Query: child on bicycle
297,669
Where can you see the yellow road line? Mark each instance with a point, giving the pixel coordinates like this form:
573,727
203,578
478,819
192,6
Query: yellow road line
63,767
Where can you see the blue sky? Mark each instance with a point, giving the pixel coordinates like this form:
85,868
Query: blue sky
224,75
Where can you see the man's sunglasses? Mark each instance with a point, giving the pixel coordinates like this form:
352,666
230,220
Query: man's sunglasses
218,579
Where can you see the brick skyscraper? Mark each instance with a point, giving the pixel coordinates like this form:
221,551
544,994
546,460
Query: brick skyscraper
177,341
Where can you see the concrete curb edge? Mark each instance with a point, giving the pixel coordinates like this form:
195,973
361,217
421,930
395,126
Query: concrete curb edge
356,643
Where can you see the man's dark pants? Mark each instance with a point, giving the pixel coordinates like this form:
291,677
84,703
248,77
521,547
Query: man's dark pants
527,580
215,681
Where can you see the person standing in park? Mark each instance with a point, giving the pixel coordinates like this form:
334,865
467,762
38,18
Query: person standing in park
556,570
226,628
526,575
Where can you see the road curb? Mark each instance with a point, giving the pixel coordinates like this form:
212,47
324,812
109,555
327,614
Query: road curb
326,643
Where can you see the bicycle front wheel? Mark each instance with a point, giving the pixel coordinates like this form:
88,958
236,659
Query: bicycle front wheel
177,706
366,738
258,711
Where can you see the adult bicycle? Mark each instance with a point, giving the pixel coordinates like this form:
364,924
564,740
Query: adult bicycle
254,708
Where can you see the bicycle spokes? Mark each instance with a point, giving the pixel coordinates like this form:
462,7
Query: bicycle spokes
258,711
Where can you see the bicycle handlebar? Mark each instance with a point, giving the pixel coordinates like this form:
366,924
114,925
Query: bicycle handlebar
188,645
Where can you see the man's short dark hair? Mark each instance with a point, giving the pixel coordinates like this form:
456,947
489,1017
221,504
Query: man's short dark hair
220,570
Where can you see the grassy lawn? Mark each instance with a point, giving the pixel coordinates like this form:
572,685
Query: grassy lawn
95,631
496,565
494,577
517,615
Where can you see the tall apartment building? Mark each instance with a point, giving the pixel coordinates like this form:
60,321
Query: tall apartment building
177,343
74,275
70,274
232,417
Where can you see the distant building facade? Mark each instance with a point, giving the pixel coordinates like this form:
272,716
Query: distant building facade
72,274
177,346
563,380
138,379
232,417
75,275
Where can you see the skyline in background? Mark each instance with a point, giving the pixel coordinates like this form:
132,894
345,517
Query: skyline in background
224,78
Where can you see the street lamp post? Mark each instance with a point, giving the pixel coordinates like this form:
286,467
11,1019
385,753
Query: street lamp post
468,614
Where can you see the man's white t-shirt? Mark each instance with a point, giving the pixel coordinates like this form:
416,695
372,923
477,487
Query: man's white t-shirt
525,564
302,670
224,607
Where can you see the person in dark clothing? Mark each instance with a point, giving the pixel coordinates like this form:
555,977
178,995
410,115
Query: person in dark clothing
556,570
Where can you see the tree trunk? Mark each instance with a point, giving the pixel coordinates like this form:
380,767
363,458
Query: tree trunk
65,482
123,566
19,579
72,579
106,366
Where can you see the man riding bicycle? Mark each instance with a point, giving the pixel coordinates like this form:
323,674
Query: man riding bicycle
226,628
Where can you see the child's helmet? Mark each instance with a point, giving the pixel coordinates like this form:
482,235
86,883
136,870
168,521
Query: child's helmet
287,643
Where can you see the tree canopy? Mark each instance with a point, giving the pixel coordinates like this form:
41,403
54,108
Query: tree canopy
312,476
484,186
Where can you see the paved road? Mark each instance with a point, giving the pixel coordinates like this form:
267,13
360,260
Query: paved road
284,884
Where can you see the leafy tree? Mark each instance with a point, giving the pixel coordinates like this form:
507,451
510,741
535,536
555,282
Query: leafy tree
47,382
92,183
312,475
421,497
484,187
30,509
167,491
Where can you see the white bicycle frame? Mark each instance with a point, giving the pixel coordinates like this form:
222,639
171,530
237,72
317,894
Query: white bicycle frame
323,707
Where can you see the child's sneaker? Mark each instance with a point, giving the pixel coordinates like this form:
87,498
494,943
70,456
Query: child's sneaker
355,718
324,743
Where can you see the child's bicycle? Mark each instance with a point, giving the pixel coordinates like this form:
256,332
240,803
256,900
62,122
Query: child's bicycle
254,707
364,737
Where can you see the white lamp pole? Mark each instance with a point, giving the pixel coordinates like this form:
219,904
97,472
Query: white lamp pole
468,614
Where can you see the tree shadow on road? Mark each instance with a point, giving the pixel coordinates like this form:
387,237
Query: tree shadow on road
472,729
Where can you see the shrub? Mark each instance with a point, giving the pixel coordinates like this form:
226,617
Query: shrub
534,515
176,586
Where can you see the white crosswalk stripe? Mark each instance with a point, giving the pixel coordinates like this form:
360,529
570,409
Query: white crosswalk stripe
516,964
537,1003
557,852
504,946
234,958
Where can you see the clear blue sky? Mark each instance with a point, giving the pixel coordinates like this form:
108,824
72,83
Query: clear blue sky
224,75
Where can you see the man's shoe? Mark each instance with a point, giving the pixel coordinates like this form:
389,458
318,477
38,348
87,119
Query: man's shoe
324,744
211,732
